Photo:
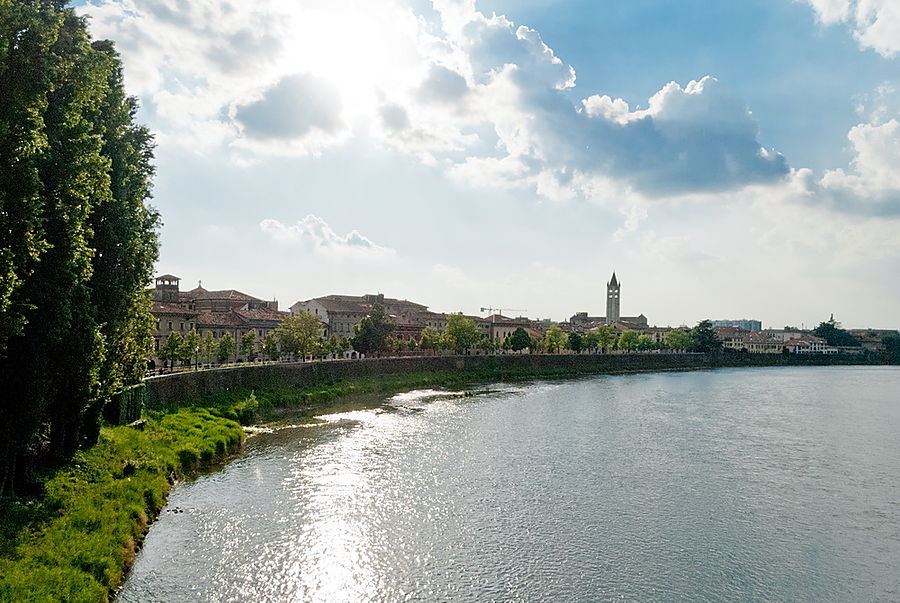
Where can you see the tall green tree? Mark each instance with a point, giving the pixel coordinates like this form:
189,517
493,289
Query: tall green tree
300,334
519,340
248,345
462,333
77,240
831,331
628,340
208,347
645,342
190,347
373,332
704,339
486,345
676,339
269,346
605,337
430,339
554,339
171,350
575,343
225,348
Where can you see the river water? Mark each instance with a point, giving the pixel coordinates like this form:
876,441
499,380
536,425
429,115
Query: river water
741,484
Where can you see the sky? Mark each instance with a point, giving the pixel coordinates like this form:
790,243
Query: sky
725,159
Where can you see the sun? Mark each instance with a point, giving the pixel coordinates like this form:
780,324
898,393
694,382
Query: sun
367,51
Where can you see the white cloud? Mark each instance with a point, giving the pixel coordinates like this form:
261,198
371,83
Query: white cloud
875,23
871,184
479,95
313,234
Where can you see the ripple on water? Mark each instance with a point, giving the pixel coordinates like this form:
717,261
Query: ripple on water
770,484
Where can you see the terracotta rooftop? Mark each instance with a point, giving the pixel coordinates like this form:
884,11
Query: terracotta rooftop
263,314
229,294
220,319
163,308
362,303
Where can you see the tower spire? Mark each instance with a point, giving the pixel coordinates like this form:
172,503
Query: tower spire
612,300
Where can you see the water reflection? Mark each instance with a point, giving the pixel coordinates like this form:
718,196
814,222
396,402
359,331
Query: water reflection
711,485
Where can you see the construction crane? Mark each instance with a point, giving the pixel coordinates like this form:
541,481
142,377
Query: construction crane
500,310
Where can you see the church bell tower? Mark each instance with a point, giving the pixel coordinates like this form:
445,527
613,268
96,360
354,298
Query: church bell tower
612,300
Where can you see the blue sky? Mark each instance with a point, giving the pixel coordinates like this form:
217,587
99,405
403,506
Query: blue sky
727,159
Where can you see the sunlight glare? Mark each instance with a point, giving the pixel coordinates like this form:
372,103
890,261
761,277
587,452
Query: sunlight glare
366,52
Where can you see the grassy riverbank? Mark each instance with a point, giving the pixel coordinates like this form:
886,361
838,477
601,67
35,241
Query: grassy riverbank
268,405
75,542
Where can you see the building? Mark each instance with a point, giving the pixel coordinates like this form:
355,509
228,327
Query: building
204,311
743,323
580,322
873,339
613,300
809,344
501,327
341,314
783,335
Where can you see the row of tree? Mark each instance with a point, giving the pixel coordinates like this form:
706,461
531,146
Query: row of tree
374,335
77,239
300,336
291,339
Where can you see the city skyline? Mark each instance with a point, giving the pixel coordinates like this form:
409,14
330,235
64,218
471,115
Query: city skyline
725,161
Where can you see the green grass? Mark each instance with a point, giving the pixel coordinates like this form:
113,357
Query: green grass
75,542
247,406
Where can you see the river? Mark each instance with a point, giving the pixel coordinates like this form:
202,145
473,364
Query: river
733,484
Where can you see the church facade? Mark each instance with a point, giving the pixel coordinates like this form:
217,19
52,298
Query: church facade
613,318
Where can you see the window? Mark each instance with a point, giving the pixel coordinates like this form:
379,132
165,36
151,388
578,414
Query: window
170,325
181,328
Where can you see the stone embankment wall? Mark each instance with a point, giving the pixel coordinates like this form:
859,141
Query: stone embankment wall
177,388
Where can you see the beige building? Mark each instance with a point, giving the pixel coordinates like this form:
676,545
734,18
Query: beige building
215,312
341,314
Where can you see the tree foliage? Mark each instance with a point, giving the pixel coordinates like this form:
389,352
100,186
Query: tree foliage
831,331
170,351
554,339
676,339
519,340
462,333
208,347
628,340
225,350
645,342
77,239
248,346
190,347
575,342
704,339
300,334
892,347
373,332
431,339
269,346
602,338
